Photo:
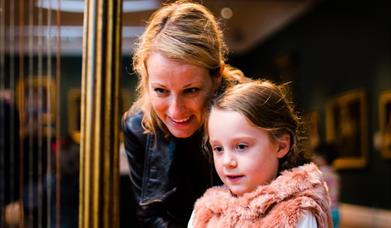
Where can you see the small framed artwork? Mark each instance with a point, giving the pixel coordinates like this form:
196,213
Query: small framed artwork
346,125
385,123
36,98
312,127
126,101
74,111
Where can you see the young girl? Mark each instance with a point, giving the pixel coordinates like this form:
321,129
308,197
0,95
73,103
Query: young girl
254,138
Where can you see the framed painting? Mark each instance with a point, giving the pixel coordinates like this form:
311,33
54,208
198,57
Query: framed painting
385,123
36,99
74,111
346,125
126,102
312,127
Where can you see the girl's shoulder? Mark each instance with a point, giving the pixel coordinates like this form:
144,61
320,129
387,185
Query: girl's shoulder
307,221
215,195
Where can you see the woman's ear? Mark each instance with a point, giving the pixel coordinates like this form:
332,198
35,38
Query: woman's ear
283,144
219,77
222,66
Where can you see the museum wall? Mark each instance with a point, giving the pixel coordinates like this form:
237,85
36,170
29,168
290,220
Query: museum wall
336,49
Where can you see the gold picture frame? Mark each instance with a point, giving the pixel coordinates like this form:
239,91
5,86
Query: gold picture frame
312,125
36,99
74,111
385,123
346,125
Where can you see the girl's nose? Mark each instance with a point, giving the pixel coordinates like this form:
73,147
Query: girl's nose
229,161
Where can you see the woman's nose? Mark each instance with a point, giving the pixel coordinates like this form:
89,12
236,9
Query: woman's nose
176,105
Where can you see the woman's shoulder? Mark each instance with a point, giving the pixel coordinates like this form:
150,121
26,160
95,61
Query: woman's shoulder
132,122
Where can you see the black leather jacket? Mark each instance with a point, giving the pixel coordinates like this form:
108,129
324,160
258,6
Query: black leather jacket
167,175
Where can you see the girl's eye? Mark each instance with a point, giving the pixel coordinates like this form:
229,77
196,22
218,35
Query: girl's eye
160,91
192,90
241,146
217,149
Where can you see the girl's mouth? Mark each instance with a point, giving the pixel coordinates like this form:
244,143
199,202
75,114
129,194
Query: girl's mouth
234,178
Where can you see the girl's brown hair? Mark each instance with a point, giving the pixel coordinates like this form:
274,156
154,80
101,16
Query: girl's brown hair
267,106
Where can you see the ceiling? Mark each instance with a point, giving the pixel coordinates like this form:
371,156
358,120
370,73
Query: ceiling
251,22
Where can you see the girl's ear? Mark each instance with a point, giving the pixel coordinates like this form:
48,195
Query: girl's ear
283,143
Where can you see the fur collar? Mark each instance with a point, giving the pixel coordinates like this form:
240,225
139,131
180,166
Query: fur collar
278,204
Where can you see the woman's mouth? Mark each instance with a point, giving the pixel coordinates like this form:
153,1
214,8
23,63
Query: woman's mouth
180,121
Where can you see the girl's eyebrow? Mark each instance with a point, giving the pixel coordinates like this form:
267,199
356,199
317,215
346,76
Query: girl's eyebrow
213,140
241,137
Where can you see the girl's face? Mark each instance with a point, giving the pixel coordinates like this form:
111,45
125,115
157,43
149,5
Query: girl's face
244,155
179,93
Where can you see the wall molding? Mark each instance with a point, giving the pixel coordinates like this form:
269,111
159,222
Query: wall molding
360,216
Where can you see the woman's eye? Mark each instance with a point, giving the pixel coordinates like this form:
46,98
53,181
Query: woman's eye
160,91
191,90
241,146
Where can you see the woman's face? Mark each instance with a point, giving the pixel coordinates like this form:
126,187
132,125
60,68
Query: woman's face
179,93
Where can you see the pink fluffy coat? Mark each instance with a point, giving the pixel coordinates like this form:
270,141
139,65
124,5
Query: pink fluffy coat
282,203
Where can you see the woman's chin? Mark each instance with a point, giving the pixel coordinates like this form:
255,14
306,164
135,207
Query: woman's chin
182,134
182,130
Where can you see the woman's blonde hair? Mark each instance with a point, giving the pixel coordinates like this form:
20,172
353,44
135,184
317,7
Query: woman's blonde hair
186,32
266,105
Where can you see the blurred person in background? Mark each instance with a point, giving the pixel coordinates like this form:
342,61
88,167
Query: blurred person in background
9,157
324,156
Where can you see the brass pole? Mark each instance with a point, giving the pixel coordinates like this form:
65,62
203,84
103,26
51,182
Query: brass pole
99,152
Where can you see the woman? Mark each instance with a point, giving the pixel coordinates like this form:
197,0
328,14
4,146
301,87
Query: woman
180,63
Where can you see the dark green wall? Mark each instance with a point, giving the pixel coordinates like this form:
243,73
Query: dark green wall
337,46
71,67
71,70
